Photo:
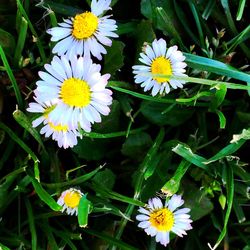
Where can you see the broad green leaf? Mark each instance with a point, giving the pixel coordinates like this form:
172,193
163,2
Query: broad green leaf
113,60
136,144
154,112
106,178
91,149
144,34
195,199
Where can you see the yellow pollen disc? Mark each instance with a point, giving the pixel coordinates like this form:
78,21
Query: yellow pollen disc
162,219
72,199
84,25
58,128
75,92
161,65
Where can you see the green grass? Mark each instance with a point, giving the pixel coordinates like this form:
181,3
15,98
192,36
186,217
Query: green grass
192,141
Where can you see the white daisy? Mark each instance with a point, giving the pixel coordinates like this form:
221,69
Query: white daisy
159,60
69,200
86,33
61,133
79,90
158,220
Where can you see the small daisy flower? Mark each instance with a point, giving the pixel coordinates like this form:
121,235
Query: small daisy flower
159,60
78,89
69,200
86,33
61,133
158,220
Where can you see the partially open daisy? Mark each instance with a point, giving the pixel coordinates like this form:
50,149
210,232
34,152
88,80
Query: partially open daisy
69,200
78,89
158,220
64,136
86,33
159,60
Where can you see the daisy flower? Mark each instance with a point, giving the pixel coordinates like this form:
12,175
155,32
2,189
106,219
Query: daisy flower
86,33
159,60
69,200
61,133
78,89
158,220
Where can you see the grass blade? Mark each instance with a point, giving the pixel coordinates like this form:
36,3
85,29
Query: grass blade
214,66
21,41
44,196
12,78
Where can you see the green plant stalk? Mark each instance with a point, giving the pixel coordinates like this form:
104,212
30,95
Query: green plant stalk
112,135
31,225
33,31
229,85
156,99
20,42
230,196
12,78
138,184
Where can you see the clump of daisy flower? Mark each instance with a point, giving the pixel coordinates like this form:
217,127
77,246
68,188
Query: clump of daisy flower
159,220
158,60
86,33
72,94
69,200
64,136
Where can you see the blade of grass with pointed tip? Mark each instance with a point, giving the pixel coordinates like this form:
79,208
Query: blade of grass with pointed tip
226,151
44,196
222,118
75,181
186,152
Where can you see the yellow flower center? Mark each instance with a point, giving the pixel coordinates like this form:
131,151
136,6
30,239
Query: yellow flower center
162,219
75,92
58,128
72,199
161,65
84,25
